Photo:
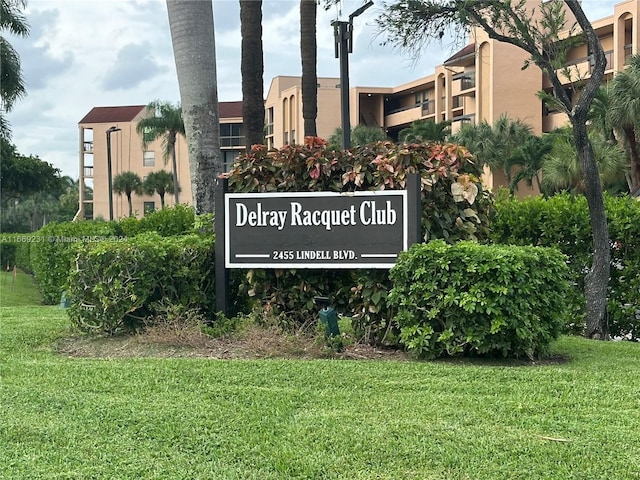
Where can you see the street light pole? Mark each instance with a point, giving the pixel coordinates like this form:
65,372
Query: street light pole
109,174
343,35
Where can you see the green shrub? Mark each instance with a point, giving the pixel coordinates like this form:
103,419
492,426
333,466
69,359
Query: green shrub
469,298
113,286
562,221
444,170
129,226
176,220
52,253
169,221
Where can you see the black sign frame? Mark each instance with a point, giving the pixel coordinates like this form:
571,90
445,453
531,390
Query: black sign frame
364,229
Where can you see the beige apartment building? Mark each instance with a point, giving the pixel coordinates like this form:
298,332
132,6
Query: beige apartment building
128,155
482,81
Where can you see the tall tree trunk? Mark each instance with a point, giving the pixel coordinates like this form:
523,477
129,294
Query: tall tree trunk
174,166
252,69
130,204
634,155
308,54
597,279
192,36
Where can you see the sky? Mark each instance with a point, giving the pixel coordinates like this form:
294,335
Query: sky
82,54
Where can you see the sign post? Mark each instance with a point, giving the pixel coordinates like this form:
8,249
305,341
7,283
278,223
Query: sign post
221,272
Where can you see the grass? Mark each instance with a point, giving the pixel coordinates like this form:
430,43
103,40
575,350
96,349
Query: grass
189,418
18,290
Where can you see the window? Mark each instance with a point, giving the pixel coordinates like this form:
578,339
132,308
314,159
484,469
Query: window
269,121
228,157
149,207
231,135
149,158
421,97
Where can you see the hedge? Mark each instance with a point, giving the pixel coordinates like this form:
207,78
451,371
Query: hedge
562,221
55,248
114,285
477,299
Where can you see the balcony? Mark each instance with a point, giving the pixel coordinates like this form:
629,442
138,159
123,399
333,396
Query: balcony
628,51
464,118
428,108
87,172
467,79
608,55
87,147
399,116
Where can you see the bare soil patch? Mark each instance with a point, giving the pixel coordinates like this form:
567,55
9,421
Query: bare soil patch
251,343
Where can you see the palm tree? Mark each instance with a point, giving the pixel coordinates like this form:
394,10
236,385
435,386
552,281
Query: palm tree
493,144
360,135
12,85
309,56
625,112
252,69
600,113
128,183
529,157
159,182
561,167
425,131
166,123
193,40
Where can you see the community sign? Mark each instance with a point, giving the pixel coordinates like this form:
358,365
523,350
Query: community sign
315,229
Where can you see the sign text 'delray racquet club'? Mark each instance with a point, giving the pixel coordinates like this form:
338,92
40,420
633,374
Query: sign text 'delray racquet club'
365,229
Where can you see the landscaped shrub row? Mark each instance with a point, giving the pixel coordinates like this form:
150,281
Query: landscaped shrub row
479,299
453,208
55,248
114,285
48,253
562,221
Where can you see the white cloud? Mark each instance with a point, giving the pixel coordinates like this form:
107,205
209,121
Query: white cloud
86,53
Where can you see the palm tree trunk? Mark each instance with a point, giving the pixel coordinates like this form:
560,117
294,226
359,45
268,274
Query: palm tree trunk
176,188
252,69
630,133
308,54
192,36
130,204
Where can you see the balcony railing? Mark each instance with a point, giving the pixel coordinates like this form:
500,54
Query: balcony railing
458,102
428,108
608,55
628,50
464,118
467,79
87,147
88,172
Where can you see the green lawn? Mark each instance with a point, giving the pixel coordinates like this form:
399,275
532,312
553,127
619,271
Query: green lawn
71,418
